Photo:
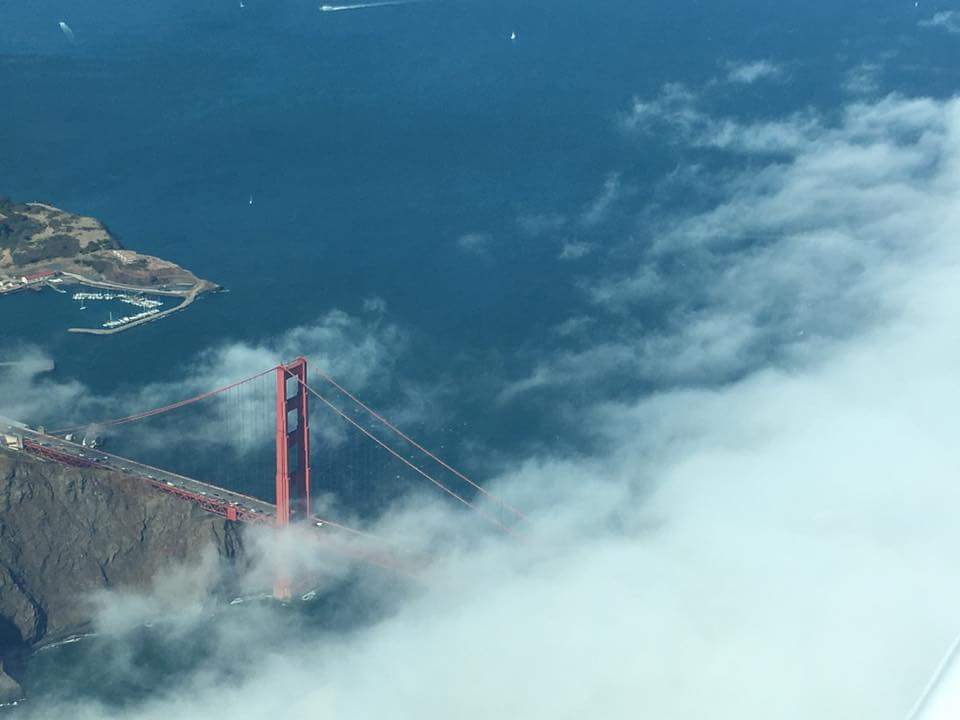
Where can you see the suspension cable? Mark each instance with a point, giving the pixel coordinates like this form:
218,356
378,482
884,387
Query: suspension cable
402,459
420,447
161,410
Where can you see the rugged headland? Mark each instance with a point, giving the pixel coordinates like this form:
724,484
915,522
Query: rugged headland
67,532
41,245
36,238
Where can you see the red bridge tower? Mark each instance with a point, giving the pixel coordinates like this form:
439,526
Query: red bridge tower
293,443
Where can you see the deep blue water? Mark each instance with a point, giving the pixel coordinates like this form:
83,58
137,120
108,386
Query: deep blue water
371,141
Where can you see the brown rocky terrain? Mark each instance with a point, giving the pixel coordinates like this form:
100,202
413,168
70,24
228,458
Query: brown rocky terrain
36,238
66,532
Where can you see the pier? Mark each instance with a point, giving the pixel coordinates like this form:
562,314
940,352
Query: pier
115,326
136,300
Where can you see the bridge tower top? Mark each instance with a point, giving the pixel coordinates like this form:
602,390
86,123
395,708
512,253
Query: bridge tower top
292,442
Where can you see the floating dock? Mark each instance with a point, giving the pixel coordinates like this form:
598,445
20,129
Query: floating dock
115,326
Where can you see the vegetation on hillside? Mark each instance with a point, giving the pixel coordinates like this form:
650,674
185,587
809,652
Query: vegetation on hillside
18,234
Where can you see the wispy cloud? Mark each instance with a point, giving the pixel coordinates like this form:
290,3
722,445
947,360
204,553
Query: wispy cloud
792,252
475,243
948,20
29,393
677,114
535,225
575,325
747,73
676,106
361,351
575,249
864,79
599,209
376,305
776,521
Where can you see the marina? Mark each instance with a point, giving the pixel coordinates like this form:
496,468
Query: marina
104,291
127,319
135,300
45,248
148,306
151,312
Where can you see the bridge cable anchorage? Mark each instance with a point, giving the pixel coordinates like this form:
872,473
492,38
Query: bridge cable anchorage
406,462
164,409
420,447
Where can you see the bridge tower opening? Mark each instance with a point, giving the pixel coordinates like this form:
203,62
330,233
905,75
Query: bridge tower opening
293,443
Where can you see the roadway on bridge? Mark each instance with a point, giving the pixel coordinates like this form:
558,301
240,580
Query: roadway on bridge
231,505
96,458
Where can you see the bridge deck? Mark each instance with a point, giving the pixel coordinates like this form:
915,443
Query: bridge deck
214,499
211,498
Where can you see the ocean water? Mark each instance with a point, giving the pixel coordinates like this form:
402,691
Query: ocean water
371,142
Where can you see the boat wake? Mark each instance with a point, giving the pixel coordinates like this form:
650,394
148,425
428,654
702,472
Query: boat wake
362,6
68,32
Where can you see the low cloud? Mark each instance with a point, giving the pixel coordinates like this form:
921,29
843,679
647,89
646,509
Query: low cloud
795,250
622,293
599,209
179,596
375,305
475,243
574,325
864,79
28,391
747,73
539,224
676,107
678,115
575,249
771,531
788,535
948,20
359,351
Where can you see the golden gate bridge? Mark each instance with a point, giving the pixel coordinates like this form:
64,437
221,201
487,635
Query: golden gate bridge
271,410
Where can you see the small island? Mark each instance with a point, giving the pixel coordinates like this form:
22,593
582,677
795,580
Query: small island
43,246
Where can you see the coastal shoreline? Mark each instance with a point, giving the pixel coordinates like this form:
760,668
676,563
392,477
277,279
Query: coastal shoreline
188,299
42,246
188,296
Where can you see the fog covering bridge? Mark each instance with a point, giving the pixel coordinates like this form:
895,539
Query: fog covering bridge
245,451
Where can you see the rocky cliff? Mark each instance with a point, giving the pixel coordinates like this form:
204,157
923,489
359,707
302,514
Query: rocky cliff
39,238
10,690
65,532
